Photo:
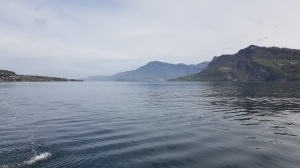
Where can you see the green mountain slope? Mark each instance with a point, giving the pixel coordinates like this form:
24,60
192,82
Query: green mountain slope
252,64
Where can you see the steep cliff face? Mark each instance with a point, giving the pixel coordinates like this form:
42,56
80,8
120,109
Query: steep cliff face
252,64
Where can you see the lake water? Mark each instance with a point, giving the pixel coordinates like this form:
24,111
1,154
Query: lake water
150,125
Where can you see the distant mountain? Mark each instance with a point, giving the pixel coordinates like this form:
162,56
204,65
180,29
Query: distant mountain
252,64
153,71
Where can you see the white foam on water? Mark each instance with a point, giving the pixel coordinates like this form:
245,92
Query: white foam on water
38,158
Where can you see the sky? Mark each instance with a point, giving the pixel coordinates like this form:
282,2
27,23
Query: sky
77,39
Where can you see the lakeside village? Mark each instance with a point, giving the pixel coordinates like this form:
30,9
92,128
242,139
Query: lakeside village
9,76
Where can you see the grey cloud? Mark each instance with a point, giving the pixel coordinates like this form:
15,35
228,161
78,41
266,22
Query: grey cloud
277,27
40,22
166,35
263,39
83,34
260,39
227,48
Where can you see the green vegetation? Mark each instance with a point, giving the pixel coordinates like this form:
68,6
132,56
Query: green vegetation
7,72
252,64
10,76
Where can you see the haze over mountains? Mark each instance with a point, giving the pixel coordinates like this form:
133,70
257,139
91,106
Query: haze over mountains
153,71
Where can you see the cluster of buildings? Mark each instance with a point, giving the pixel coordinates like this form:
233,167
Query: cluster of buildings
10,77
288,63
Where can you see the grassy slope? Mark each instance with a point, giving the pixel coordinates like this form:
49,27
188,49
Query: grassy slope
252,64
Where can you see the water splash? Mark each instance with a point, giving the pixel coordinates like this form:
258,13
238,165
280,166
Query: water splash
37,158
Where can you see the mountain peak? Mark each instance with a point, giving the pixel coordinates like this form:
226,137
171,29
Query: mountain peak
154,62
252,46
154,71
253,63
248,50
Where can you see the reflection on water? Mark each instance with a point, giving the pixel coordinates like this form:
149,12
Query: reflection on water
104,124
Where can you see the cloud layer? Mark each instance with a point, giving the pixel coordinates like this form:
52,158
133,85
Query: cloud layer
84,38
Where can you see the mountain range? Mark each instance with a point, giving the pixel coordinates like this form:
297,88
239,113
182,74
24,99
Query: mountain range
153,71
253,63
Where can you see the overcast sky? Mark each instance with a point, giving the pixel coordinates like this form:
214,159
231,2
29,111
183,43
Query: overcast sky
76,39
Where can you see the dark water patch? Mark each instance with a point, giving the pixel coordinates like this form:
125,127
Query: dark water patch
284,133
277,127
251,124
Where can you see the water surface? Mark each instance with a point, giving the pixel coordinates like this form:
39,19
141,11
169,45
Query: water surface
151,125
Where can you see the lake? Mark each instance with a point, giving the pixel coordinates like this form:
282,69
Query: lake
150,125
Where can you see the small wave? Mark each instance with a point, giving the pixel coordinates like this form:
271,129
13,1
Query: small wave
38,158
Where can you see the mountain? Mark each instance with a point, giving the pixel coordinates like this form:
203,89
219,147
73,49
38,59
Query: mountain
253,63
10,76
153,71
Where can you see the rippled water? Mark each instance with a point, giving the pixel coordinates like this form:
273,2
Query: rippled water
184,125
